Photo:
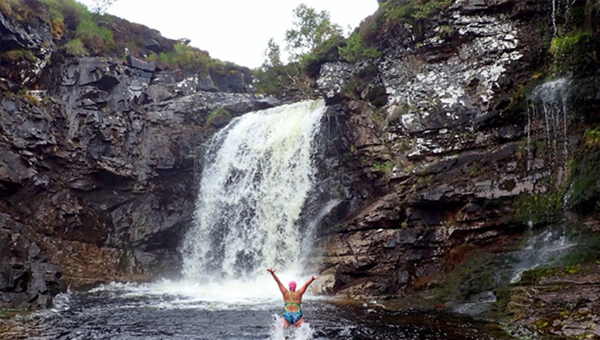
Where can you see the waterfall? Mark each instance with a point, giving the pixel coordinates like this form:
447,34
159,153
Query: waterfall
257,175
547,116
543,249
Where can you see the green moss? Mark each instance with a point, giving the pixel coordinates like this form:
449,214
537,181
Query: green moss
218,116
567,46
532,276
18,55
575,52
386,168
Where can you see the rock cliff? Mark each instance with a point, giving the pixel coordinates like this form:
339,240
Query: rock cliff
469,134
98,157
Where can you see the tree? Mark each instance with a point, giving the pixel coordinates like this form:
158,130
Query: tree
100,6
311,29
272,54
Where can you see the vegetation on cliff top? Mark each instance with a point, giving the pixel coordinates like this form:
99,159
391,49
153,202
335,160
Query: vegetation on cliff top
315,40
80,32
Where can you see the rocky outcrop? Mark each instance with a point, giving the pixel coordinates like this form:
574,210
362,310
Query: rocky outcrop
434,154
565,299
459,160
97,166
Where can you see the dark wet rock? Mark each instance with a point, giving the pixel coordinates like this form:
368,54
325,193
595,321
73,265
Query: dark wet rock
435,177
148,66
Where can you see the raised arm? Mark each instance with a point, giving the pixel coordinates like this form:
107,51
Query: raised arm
302,289
281,286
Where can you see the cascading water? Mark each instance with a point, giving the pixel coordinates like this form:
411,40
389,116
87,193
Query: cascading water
543,249
548,128
257,176
548,116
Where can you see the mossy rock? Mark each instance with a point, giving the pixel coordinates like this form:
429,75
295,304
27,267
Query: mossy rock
218,118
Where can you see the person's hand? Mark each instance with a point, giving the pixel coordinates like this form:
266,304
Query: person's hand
315,278
272,271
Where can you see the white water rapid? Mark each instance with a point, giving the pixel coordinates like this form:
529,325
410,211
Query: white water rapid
257,175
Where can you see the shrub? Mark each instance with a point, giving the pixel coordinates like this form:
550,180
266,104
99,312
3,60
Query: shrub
94,37
413,9
282,80
18,55
326,52
76,48
356,49
185,57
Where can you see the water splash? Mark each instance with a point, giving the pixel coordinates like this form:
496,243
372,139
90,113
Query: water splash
543,249
303,332
257,176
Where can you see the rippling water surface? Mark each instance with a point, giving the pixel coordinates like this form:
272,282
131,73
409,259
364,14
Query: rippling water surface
176,311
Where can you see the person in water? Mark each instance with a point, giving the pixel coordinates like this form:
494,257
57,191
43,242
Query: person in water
292,313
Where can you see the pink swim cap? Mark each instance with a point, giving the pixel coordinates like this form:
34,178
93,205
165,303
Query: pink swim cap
293,286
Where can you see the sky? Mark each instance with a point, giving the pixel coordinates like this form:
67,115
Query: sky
233,30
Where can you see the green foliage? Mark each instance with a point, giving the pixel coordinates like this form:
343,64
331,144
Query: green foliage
426,8
76,47
411,10
282,80
325,52
313,40
185,57
272,54
592,138
18,55
311,29
97,39
356,49
386,168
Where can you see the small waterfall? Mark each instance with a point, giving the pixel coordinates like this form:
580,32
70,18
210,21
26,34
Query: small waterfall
258,173
547,123
543,249
560,14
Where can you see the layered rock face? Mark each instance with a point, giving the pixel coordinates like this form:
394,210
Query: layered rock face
461,157
97,166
